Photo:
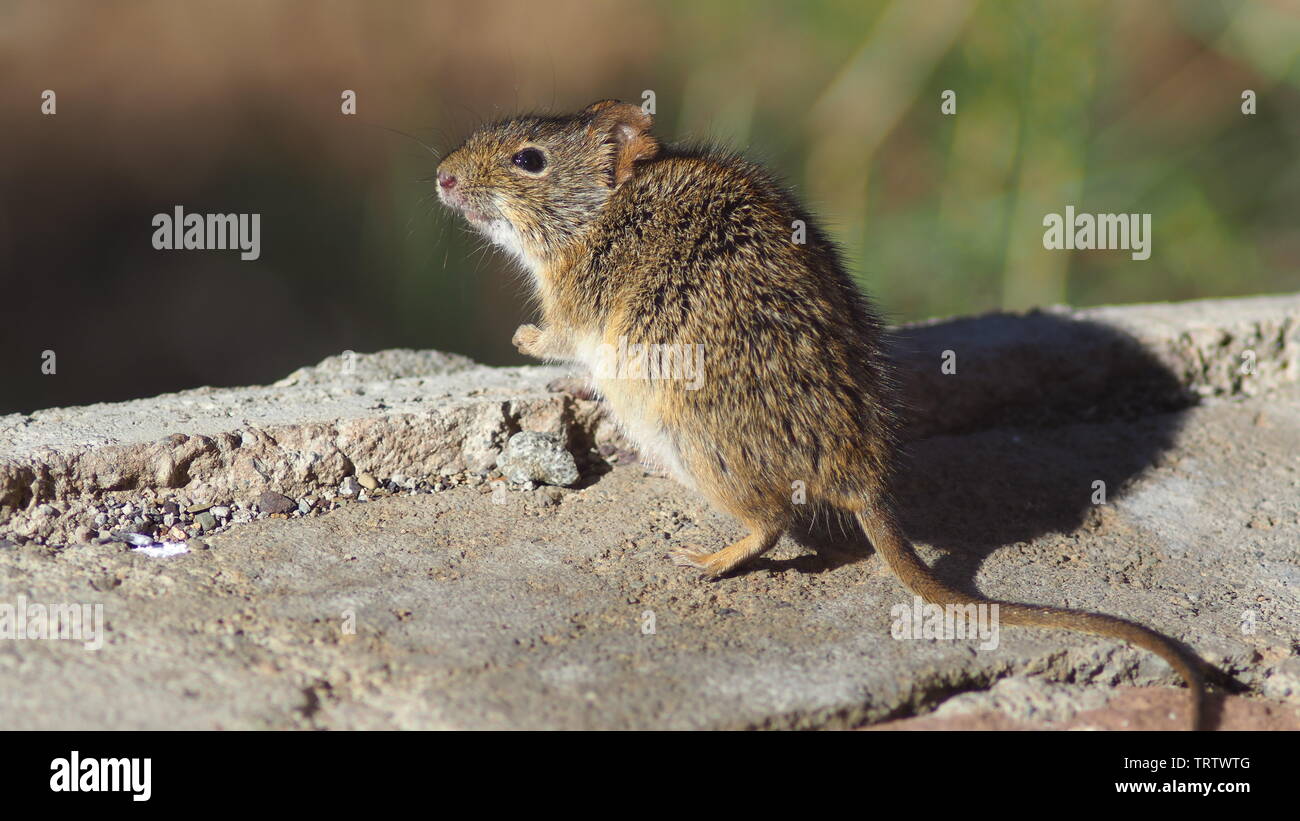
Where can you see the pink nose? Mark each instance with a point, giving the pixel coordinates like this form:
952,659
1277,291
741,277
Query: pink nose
447,181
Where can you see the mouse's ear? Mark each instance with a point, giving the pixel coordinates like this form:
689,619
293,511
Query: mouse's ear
627,127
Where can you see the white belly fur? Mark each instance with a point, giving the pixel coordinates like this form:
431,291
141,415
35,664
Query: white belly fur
630,400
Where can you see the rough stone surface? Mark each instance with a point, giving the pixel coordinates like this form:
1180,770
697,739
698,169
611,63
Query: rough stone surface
231,444
484,606
496,609
1094,363
530,456
429,414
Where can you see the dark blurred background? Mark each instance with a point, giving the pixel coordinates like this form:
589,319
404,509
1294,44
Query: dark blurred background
234,107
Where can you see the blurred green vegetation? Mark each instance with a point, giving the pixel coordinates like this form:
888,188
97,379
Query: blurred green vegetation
1106,105
1110,107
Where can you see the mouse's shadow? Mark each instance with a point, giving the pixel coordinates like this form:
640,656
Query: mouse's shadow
1015,469
1019,470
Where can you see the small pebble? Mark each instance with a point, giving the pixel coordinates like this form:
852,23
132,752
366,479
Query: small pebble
272,502
531,456
350,486
205,521
367,481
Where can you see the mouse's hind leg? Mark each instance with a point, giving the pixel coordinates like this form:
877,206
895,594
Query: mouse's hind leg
762,536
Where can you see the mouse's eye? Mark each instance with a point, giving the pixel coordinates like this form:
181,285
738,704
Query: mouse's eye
530,159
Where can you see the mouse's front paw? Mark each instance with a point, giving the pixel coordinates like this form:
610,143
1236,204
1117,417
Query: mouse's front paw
528,340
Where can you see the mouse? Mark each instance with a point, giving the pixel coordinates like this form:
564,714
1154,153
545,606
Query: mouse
632,244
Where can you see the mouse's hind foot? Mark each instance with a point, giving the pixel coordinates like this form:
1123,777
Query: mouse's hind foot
729,558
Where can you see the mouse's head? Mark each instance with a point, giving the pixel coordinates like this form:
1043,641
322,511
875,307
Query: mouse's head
532,184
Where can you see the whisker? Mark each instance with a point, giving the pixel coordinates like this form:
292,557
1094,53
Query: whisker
425,146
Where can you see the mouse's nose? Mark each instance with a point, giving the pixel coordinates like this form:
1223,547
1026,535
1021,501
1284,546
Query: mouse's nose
446,181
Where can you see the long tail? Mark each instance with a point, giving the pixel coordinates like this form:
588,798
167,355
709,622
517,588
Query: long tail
917,577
